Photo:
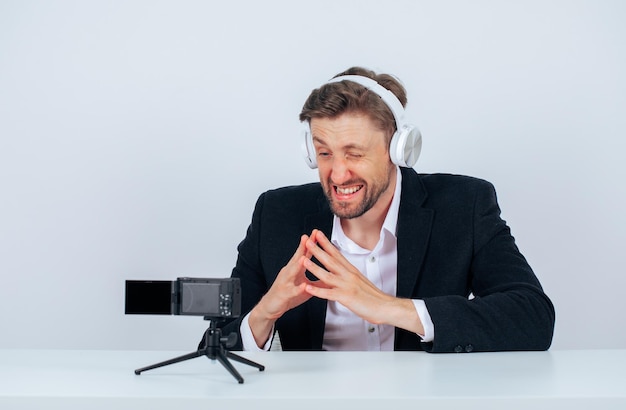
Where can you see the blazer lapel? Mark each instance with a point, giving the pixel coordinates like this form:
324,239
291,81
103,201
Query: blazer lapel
413,232
323,220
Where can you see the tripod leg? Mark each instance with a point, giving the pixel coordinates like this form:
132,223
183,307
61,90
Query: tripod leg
243,360
172,361
221,357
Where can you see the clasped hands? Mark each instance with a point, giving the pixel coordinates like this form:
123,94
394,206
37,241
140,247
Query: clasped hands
338,281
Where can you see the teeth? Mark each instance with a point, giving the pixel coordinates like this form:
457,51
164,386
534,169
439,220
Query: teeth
348,191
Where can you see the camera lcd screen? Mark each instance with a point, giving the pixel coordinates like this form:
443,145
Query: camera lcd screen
200,298
153,297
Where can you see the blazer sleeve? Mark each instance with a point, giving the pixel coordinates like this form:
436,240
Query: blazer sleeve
509,309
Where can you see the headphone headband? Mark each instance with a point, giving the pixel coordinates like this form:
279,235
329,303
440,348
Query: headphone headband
387,96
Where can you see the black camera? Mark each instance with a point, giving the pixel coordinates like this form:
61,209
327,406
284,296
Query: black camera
208,297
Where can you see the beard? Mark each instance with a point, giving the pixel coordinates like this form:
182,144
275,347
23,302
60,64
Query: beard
372,193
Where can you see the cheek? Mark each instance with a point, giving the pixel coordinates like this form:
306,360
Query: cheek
375,173
324,168
323,172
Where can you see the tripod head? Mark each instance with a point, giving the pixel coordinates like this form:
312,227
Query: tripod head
213,335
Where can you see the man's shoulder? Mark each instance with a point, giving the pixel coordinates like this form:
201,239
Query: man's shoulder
452,180
285,206
454,187
293,198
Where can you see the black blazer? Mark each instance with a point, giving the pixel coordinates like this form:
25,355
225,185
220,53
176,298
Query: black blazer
451,243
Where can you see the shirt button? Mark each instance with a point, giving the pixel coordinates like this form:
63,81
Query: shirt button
371,329
372,259
458,349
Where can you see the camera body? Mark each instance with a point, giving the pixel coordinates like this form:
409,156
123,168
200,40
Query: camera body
208,297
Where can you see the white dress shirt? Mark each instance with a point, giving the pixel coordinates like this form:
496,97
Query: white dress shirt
344,330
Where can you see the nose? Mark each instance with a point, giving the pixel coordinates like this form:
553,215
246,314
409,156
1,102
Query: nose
339,172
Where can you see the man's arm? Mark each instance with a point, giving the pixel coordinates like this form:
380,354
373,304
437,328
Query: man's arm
509,310
287,292
269,264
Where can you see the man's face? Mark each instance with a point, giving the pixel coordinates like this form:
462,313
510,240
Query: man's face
353,162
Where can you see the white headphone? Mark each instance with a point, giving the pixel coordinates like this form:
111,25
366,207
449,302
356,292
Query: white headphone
406,142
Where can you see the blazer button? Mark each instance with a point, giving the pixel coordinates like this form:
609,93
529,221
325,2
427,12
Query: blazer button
458,349
469,348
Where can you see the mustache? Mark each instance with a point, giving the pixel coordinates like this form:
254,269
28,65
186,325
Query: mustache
346,183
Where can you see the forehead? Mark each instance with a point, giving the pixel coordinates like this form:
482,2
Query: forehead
346,129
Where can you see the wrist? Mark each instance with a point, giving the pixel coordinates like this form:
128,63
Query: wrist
261,325
404,315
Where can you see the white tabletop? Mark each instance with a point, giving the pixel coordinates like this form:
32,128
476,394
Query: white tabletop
92,379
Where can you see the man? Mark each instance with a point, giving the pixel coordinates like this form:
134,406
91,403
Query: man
376,256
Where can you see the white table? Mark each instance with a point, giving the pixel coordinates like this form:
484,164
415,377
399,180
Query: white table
92,379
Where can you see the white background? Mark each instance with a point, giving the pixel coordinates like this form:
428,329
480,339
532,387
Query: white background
135,137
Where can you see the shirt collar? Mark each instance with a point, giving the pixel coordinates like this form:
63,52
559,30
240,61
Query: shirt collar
339,238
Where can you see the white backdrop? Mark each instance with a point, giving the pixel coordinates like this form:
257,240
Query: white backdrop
135,137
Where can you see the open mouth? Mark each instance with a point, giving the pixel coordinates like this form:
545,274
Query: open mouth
347,191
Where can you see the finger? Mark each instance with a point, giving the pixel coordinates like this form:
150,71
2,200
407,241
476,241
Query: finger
302,250
318,237
328,255
320,292
320,273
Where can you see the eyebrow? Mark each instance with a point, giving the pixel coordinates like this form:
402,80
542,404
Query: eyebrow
345,147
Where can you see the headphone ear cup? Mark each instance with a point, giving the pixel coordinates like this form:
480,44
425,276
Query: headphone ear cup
406,146
308,150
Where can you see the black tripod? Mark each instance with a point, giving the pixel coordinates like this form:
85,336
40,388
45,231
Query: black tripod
215,348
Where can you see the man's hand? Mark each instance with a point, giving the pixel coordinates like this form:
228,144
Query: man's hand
287,292
340,281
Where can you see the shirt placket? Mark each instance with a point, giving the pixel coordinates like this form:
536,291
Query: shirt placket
372,271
